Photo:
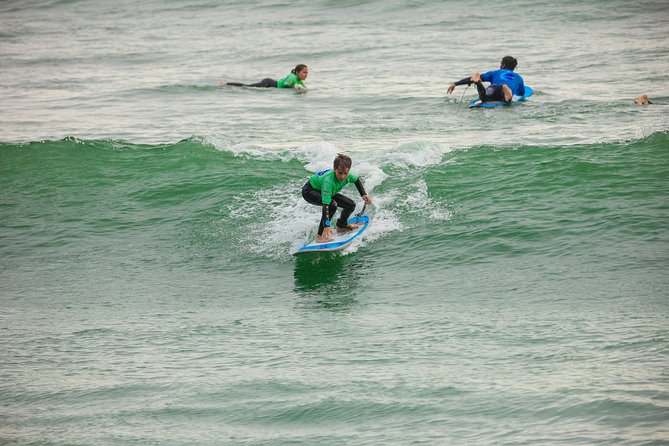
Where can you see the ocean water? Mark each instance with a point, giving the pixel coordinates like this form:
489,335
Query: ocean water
511,288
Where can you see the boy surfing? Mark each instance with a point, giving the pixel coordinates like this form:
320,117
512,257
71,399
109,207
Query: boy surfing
323,188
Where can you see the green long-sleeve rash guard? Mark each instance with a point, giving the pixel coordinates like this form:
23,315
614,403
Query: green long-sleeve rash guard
326,182
290,81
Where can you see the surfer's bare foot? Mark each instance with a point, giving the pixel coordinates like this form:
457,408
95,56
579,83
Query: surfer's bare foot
327,236
348,227
223,83
476,78
642,100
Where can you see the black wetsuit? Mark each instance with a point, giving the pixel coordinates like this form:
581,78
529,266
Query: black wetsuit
314,196
265,83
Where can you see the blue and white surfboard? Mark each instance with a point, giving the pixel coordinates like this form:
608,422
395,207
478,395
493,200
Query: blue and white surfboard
478,104
342,239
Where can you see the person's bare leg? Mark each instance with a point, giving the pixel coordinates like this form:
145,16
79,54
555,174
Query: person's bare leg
508,94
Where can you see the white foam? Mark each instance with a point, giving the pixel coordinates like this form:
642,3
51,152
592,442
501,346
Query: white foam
418,201
260,152
319,155
294,222
279,221
414,154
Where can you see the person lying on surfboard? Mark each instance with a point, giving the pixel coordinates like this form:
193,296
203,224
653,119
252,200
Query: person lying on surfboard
504,83
295,79
323,188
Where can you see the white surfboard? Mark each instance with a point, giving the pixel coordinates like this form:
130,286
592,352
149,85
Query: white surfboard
342,239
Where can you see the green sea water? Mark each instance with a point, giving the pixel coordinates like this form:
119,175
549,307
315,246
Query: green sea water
511,288
502,295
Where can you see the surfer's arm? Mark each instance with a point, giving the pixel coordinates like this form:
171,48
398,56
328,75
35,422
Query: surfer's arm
361,189
467,80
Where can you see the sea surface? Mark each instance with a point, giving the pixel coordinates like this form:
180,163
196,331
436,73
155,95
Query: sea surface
512,288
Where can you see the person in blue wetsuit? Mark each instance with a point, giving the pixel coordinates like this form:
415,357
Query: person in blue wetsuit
323,188
504,83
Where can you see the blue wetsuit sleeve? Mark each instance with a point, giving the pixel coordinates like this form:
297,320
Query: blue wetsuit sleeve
488,75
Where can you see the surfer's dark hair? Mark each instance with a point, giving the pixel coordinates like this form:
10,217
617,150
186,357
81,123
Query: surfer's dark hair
342,161
509,62
298,68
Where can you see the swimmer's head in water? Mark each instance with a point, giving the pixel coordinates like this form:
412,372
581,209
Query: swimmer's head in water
642,100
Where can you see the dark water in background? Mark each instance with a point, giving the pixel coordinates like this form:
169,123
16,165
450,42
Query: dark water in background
512,286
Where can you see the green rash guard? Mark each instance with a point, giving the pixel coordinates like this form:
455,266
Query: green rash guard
290,81
326,182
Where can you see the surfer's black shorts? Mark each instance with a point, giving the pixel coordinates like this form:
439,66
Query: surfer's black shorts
494,93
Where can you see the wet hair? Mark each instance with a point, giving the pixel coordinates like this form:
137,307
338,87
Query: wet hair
342,161
298,68
509,63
